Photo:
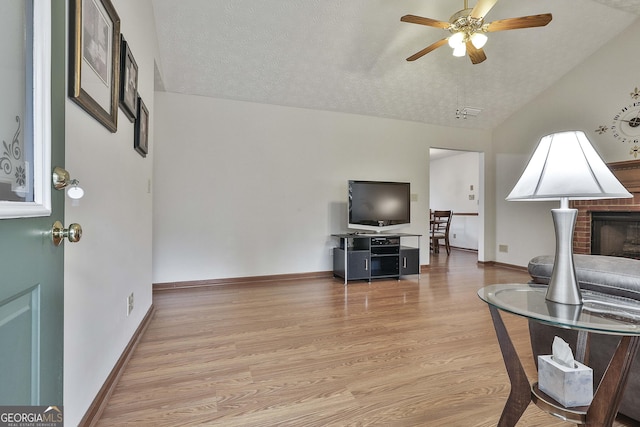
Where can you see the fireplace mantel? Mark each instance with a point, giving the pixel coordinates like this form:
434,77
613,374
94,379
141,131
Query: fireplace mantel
628,172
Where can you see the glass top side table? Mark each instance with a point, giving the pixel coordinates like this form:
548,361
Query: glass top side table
599,314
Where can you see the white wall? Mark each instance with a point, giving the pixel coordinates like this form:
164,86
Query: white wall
586,98
451,180
114,256
246,189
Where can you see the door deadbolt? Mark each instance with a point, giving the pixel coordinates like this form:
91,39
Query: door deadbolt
58,233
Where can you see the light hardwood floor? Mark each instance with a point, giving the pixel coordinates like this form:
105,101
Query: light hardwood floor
415,352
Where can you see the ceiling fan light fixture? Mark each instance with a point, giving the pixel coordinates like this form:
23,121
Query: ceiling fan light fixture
468,26
456,40
479,40
460,50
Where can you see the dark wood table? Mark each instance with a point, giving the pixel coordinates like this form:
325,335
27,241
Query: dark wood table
599,314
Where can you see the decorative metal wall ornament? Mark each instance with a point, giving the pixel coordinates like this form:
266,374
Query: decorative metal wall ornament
625,125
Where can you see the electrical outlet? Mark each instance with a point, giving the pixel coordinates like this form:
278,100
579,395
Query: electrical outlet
472,196
503,248
130,304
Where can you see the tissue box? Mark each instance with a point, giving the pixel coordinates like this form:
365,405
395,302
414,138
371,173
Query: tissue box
569,386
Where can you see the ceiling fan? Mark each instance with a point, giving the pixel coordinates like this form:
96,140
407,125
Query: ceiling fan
467,29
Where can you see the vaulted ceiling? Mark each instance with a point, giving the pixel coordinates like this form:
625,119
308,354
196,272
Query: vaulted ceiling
350,56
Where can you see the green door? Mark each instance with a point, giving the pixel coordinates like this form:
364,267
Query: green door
31,267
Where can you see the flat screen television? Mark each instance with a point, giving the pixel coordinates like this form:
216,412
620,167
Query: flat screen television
379,206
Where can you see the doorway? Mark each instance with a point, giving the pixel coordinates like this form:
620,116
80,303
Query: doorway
456,183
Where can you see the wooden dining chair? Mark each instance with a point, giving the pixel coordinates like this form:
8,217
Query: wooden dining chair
440,224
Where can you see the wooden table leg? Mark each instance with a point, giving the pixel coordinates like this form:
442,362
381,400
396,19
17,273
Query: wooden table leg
604,407
520,395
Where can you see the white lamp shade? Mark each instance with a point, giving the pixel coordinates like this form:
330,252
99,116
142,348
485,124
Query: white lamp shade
566,166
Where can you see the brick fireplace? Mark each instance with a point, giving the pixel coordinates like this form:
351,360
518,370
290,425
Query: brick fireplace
629,175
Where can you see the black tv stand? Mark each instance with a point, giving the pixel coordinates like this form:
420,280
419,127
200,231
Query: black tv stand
361,256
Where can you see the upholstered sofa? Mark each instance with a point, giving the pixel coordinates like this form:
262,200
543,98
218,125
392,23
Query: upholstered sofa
606,274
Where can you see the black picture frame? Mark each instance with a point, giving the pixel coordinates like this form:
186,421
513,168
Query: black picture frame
141,130
128,81
94,57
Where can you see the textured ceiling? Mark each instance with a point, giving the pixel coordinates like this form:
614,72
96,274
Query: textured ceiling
349,56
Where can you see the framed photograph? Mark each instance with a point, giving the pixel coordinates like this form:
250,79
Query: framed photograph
94,56
141,130
128,81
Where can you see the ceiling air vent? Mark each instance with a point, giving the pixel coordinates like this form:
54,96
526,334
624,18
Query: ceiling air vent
467,112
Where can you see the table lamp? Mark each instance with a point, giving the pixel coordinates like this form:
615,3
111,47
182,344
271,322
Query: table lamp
564,167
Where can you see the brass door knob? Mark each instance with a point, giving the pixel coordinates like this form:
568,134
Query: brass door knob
59,233
60,178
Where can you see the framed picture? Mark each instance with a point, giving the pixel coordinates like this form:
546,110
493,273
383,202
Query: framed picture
128,81
141,130
94,56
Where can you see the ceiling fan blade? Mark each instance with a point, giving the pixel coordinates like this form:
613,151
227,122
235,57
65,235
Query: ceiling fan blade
482,8
427,49
475,55
425,21
523,22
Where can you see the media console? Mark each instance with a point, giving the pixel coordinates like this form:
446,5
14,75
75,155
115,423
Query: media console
375,256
